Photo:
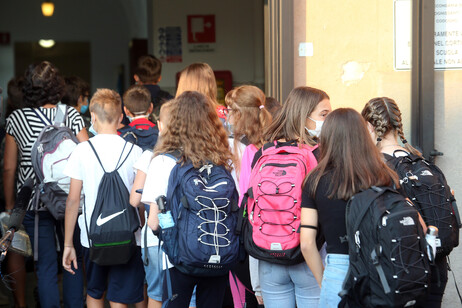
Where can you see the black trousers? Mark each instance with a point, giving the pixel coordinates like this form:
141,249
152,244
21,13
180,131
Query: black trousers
439,279
209,292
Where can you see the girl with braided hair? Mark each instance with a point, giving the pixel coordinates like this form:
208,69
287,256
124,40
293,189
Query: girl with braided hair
384,122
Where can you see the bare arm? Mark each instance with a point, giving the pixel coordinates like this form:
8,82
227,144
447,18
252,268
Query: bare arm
70,219
153,220
308,243
82,135
135,198
10,162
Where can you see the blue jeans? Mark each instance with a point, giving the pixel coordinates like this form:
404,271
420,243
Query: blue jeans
332,280
287,285
47,264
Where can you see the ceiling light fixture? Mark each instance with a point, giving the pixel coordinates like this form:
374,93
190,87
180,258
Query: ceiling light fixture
48,8
47,43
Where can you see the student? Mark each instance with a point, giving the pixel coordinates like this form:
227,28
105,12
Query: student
247,117
43,88
15,262
138,107
385,125
122,284
149,73
196,134
149,242
77,92
200,77
290,285
338,176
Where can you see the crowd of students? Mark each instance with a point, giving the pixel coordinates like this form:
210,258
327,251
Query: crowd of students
192,126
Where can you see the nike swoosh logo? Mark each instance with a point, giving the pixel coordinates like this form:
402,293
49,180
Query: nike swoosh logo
101,221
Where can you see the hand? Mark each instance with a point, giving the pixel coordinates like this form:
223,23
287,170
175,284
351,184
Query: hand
69,259
259,299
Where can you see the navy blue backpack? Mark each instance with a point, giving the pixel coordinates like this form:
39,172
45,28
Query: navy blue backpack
146,139
203,203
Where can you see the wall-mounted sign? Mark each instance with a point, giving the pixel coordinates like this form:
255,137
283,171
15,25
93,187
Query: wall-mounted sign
201,33
448,34
170,49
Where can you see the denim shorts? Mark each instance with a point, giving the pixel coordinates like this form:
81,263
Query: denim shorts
332,280
155,274
288,285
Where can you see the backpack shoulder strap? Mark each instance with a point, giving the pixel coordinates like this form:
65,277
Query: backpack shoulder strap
96,154
61,114
128,154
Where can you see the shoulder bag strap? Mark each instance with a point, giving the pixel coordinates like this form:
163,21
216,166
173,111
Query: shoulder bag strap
96,154
61,114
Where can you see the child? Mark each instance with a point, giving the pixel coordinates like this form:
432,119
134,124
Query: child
247,116
149,242
121,284
280,284
338,176
149,73
195,132
200,77
385,125
138,107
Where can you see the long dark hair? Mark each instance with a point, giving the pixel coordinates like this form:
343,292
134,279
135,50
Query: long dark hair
349,156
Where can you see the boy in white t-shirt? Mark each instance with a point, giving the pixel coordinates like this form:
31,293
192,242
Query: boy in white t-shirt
123,284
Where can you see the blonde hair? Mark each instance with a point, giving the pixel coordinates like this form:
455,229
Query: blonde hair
249,115
289,123
198,77
384,115
195,130
107,105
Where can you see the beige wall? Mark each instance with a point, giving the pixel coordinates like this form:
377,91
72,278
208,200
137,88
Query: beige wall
353,53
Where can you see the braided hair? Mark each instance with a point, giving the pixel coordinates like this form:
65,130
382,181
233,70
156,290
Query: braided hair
384,115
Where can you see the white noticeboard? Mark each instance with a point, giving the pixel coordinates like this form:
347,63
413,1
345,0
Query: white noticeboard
448,34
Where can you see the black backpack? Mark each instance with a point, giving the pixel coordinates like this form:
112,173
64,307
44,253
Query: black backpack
389,266
146,139
425,185
111,233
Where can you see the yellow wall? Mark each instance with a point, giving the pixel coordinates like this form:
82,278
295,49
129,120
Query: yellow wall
351,37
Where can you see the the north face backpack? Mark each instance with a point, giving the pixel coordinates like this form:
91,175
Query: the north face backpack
49,156
425,185
389,266
111,230
203,204
272,205
146,139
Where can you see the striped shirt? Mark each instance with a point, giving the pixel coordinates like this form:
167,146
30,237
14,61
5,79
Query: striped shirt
24,126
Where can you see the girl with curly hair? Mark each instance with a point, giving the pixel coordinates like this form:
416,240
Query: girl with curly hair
194,134
43,89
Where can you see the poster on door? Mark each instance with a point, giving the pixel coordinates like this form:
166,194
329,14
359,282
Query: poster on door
201,33
448,34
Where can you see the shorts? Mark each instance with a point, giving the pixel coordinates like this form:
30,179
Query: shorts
123,283
155,274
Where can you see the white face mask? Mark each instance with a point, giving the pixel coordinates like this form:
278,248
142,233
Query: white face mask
317,131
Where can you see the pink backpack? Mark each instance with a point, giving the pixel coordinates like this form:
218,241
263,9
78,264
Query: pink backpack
272,204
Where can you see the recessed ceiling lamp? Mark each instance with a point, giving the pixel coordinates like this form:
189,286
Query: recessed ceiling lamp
48,8
47,43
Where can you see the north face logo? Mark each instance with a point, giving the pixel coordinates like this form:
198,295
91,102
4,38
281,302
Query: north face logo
280,173
407,221
425,173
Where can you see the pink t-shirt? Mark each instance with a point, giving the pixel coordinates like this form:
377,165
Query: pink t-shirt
246,168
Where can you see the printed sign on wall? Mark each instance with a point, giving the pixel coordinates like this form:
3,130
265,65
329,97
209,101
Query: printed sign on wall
170,45
201,33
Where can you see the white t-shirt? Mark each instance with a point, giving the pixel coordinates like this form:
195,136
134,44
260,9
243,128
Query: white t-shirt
143,165
83,165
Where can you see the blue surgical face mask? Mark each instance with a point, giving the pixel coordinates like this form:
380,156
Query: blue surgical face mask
92,129
130,119
83,109
317,131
